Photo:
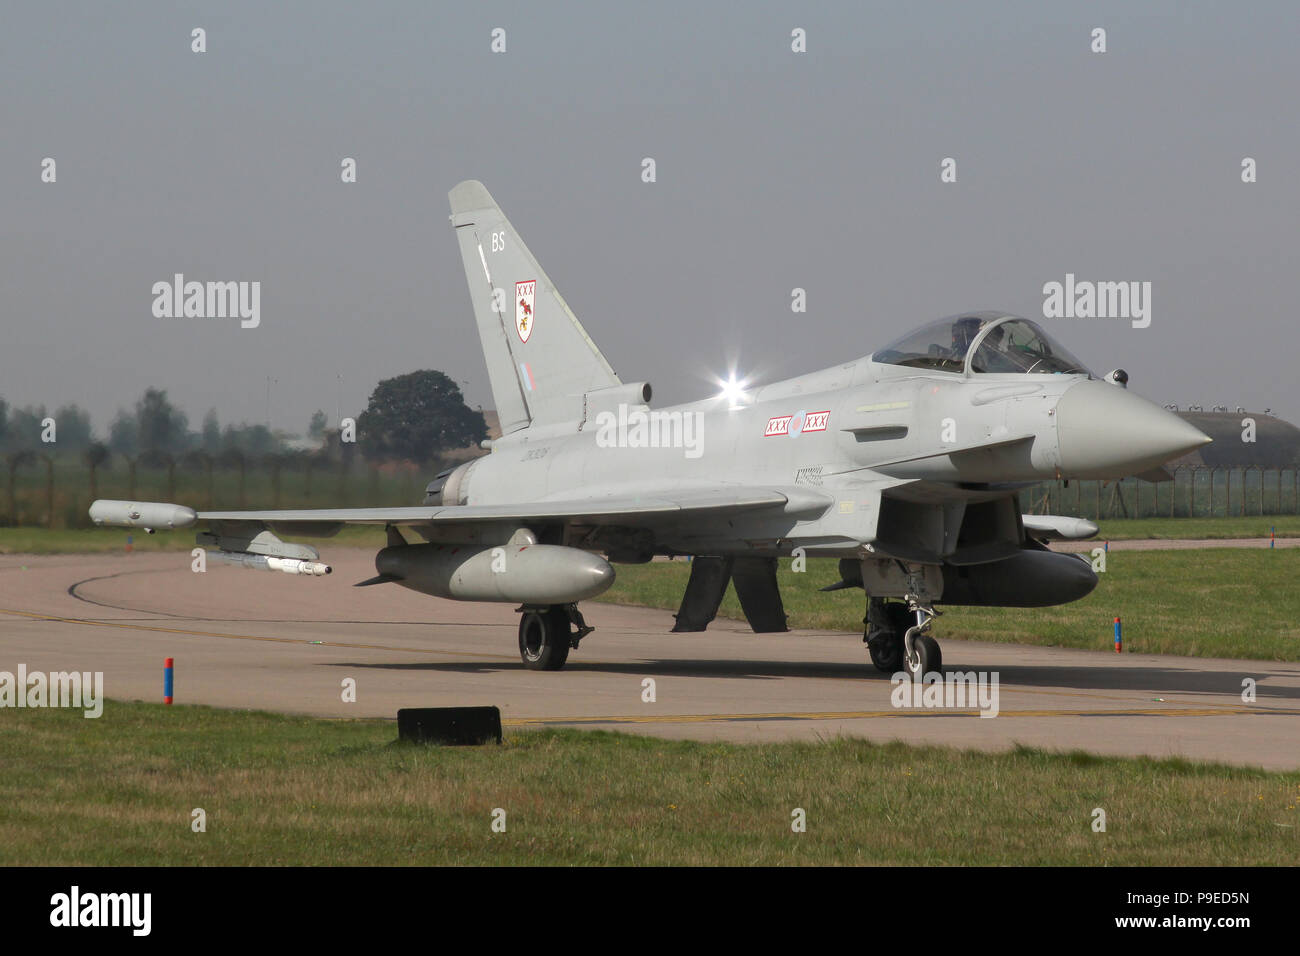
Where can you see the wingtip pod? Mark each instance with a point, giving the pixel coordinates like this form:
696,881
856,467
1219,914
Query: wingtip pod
1078,529
1058,527
141,514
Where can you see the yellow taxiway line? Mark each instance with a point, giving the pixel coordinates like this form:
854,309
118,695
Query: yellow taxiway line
900,712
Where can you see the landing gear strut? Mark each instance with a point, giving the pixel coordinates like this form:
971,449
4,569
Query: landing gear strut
546,635
898,633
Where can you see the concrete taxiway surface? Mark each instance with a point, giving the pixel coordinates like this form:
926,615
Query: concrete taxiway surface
265,640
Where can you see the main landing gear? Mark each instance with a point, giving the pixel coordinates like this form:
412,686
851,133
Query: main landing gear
887,622
898,636
547,634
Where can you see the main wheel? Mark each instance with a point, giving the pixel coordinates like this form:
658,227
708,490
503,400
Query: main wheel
885,645
886,652
543,640
926,658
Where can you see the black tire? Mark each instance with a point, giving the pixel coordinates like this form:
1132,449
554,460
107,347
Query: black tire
886,646
886,652
926,658
558,615
543,640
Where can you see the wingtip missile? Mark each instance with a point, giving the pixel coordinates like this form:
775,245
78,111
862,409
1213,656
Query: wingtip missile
141,514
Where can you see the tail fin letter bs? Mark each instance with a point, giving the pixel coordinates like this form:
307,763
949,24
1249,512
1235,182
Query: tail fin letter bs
540,360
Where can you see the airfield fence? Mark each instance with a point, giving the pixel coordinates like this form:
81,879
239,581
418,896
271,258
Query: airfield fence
1195,491
55,492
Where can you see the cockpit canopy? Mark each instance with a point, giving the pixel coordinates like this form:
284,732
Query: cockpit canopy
984,342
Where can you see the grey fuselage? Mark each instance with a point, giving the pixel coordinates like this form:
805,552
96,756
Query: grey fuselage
879,428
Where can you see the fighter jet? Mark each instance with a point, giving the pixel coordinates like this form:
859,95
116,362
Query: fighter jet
903,466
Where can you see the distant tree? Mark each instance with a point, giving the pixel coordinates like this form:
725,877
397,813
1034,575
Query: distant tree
249,440
25,428
73,428
163,428
317,427
211,440
4,424
96,456
417,417
16,460
124,434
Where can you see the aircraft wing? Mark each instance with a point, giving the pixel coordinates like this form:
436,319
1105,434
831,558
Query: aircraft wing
597,509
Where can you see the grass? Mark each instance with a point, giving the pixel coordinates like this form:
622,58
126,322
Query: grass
101,540
1255,526
296,791
1223,602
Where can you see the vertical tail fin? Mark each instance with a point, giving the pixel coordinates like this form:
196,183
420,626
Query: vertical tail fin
540,359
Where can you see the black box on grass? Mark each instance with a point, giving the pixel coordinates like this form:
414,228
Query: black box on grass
453,726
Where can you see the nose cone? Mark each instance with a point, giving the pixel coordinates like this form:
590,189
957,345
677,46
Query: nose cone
1105,431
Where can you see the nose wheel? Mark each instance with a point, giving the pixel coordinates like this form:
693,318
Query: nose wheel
921,654
924,656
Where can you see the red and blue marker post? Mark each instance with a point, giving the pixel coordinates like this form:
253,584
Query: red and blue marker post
1119,638
167,680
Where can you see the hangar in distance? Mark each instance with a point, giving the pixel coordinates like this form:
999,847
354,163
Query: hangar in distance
903,466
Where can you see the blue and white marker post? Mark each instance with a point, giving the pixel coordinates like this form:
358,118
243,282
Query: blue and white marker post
168,671
1119,638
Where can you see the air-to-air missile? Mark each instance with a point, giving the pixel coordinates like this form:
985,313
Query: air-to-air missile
262,562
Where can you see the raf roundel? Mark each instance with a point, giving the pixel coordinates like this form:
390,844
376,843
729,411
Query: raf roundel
525,297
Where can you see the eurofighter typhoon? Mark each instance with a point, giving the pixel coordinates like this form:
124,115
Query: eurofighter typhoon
903,466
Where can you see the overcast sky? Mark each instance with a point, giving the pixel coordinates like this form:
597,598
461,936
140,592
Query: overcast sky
775,170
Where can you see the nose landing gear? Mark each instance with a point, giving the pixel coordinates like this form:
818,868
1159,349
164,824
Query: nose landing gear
898,633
